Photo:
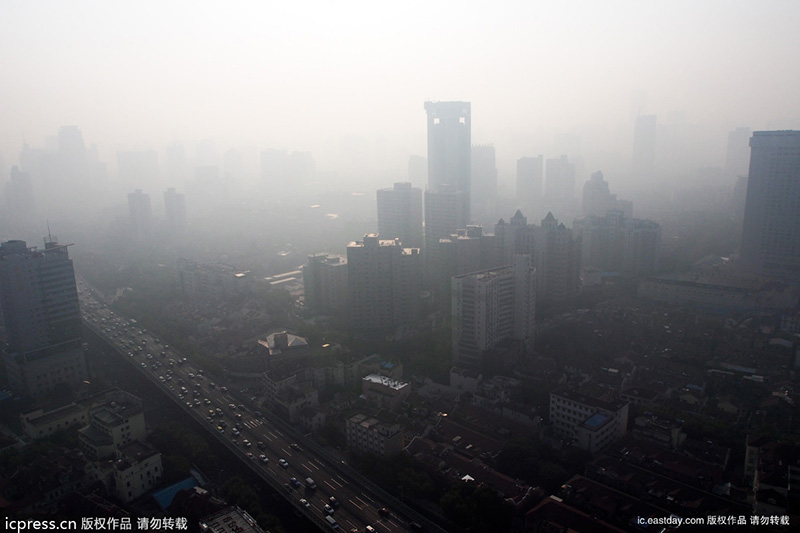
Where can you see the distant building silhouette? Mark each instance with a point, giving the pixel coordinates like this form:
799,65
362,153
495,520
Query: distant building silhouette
560,185
449,145
175,212
771,233
598,200
400,214
530,179
141,215
558,261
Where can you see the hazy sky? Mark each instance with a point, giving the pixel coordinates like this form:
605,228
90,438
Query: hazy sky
298,75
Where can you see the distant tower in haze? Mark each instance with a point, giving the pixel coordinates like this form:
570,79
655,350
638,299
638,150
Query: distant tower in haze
449,145
400,214
175,212
771,233
530,178
141,215
644,148
42,318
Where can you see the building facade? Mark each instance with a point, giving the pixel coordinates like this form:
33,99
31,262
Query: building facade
325,283
593,423
492,311
400,214
449,144
771,232
42,319
383,280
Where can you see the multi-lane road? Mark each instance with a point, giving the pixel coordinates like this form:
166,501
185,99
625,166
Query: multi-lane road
270,447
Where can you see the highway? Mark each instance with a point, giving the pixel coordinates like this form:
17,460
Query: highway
268,445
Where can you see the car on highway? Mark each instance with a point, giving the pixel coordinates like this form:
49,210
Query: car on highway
305,503
263,458
294,482
283,463
383,511
334,502
328,509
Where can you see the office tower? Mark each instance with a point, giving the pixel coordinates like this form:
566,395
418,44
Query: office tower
42,318
400,214
325,283
383,280
530,179
138,169
449,142
141,215
493,316
771,233
598,200
558,261
445,213
644,148
560,185
175,212
483,175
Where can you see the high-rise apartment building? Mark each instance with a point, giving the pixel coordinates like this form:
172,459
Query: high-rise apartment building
558,261
42,318
141,215
400,214
325,283
771,233
175,211
449,143
598,200
383,280
493,315
514,237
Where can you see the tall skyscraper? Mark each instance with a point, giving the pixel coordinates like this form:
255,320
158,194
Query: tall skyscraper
598,200
400,214
449,145
493,315
530,179
771,233
560,186
383,282
141,215
175,212
42,318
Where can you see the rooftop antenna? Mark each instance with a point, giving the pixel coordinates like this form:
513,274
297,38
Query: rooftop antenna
49,236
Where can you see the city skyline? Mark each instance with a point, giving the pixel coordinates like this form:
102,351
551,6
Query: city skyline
287,79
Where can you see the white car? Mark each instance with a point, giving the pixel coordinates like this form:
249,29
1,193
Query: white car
283,463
